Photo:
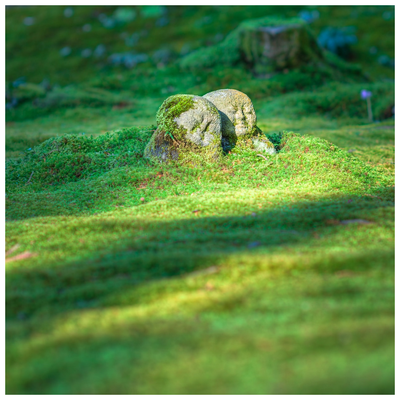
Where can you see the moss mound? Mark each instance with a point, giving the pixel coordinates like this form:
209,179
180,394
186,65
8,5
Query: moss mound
83,178
70,158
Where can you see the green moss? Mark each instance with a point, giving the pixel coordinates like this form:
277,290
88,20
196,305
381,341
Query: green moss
223,54
254,140
162,148
170,109
188,265
42,102
241,258
45,43
70,158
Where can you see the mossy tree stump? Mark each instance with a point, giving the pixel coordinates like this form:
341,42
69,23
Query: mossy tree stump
269,45
277,47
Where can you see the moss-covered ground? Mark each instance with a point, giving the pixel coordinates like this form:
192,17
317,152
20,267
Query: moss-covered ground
247,275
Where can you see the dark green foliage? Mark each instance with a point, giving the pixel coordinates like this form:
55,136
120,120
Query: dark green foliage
226,54
25,92
76,96
338,40
42,103
45,39
275,139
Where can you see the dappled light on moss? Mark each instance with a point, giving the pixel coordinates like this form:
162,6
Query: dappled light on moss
258,259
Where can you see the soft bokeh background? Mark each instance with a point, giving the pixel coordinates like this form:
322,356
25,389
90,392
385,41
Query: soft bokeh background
66,45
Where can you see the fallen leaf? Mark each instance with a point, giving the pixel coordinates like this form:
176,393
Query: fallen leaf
21,256
355,221
343,273
207,271
332,222
121,104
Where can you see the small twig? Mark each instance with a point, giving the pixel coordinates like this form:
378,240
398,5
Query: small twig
13,248
29,178
170,135
22,256
370,117
207,271
265,158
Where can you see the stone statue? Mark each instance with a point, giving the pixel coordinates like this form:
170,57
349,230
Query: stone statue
185,123
238,120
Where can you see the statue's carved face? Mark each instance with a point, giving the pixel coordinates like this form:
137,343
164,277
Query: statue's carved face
202,126
237,111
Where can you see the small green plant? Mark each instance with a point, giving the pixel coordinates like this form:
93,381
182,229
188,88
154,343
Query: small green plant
275,138
170,135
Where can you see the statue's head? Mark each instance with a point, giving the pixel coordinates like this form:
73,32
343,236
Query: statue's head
202,122
191,117
186,124
237,112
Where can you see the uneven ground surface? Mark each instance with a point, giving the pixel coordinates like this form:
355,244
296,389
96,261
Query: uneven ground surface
249,275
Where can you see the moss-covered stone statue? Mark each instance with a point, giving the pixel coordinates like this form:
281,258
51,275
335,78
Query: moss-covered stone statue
186,124
238,121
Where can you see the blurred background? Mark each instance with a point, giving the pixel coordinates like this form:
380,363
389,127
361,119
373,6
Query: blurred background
61,45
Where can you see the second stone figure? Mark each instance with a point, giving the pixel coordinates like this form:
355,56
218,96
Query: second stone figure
238,120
